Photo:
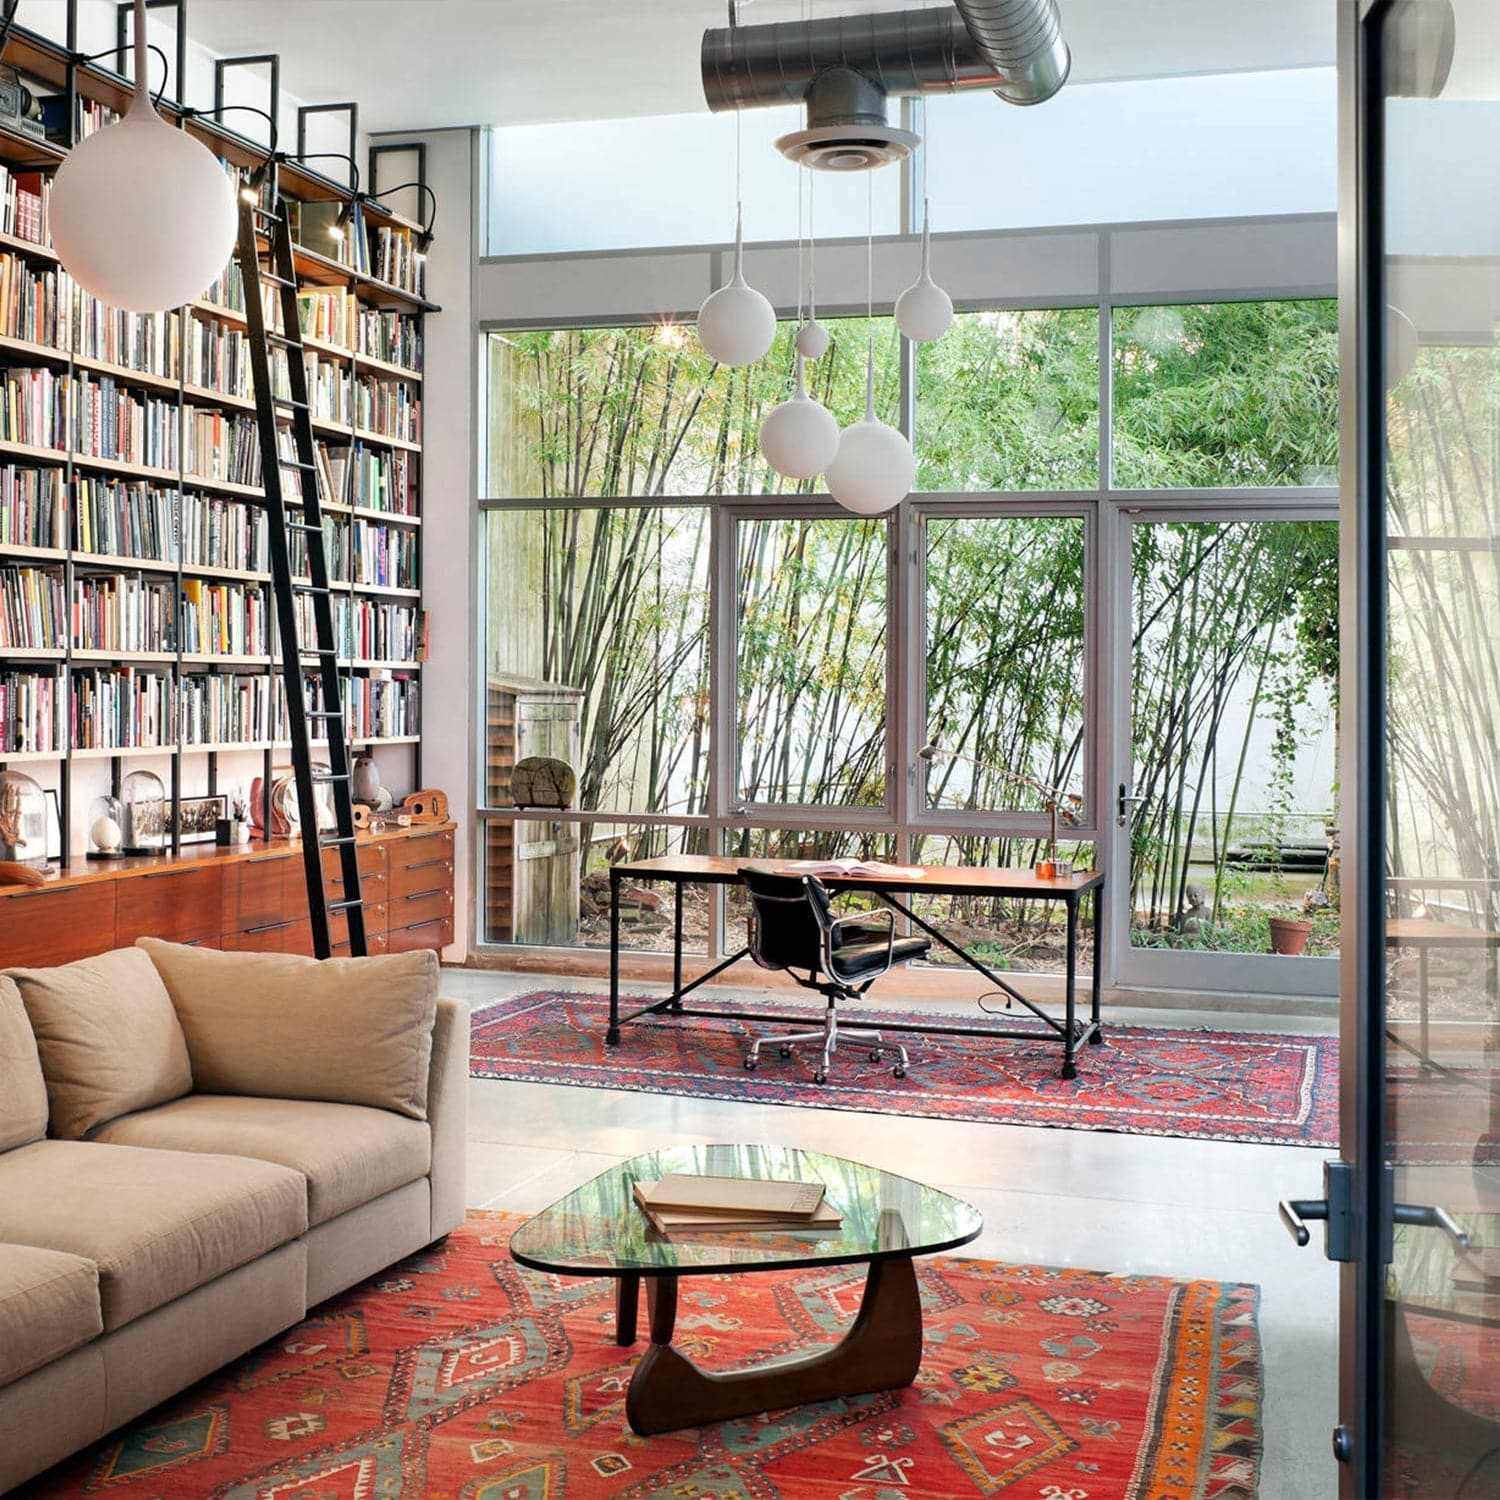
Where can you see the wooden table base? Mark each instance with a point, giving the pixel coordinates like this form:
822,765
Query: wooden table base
881,1352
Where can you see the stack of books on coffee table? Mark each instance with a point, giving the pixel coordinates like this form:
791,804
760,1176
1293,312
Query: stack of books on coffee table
681,1206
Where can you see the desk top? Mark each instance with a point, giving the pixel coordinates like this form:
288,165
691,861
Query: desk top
718,869
1425,932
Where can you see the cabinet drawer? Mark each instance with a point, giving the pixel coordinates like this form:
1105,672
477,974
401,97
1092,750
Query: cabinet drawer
56,926
370,858
426,875
375,922
374,885
420,848
421,906
375,942
276,937
258,893
182,906
437,933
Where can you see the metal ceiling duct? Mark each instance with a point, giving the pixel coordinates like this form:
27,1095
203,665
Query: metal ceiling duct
843,68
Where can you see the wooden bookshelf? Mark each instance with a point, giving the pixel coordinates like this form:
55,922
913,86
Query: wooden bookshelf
43,63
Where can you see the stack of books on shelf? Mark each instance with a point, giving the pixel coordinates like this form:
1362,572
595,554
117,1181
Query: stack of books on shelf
31,712
217,358
333,474
113,424
34,408
124,518
35,609
121,613
388,407
224,619
36,305
391,336
381,708
24,202
122,708
335,550
384,556
232,708
32,512
328,314
89,118
379,632
328,389
394,259
148,342
384,479
222,447
219,533
682,1206
228,291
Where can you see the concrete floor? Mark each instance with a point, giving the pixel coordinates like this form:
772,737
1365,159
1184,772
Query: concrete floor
1059,1197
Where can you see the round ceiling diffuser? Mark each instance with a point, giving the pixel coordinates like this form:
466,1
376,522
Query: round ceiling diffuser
858,147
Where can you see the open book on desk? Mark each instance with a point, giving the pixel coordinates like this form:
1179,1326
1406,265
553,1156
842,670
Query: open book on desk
864,869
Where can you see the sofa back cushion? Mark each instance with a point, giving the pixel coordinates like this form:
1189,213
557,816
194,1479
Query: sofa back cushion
345,1030
108,1038
23,1092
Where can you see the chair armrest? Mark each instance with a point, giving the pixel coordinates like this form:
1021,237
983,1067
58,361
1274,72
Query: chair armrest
448,1115
865,920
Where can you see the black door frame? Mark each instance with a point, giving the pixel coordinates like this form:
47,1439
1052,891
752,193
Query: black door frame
1362,1373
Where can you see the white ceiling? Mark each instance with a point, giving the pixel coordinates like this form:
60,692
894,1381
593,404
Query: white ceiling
426,63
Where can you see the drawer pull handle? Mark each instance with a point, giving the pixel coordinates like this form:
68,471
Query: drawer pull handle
269,927
442,890
426,864
430,922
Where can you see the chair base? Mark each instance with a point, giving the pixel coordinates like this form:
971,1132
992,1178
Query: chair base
828,1037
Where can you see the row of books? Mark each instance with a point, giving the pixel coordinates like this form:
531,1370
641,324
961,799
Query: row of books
122,708
34,408
383,556
24,202
395,259
149,342
125,518
117,424
221,446
392,336
36,305
225,619
330,314
219,533
389,407
231,708
33,609
383,479
32,508
123,612
31,712
381,708
371,631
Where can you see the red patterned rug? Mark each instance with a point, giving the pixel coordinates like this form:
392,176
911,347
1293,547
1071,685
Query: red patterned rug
457,1376
1210,1085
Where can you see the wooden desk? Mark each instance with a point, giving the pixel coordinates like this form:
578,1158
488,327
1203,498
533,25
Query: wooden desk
680,870
1424,934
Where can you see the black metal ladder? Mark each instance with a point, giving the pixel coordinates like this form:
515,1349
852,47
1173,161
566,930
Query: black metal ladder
298,656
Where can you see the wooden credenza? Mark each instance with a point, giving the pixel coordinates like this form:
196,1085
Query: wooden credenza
251,899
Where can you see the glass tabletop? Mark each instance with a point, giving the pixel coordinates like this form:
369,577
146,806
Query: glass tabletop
598,1230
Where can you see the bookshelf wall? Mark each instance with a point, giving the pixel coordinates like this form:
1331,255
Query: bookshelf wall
136,623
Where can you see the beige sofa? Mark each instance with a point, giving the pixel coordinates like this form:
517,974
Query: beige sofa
195,1148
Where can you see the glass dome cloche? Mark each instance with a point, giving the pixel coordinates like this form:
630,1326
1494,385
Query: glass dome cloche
145,825
23,819
106,828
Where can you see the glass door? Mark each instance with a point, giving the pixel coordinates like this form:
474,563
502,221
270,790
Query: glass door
1225,804
1414,1207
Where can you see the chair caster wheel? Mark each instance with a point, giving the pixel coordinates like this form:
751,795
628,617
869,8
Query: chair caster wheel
786,1051
820,1077
751,1064
898,1071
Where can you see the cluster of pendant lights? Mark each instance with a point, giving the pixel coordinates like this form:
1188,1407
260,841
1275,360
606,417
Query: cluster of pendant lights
869,467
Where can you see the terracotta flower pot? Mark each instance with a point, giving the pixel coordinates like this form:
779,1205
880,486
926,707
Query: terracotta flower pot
1289,935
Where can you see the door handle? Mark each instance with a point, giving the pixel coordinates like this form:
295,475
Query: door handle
1432,1217
1333,1208
1125,799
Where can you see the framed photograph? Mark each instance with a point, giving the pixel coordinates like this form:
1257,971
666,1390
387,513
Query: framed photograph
198,818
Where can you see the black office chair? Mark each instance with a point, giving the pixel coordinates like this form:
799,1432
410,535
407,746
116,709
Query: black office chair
792,927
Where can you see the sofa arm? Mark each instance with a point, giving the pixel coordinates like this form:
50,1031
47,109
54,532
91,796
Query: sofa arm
448,1115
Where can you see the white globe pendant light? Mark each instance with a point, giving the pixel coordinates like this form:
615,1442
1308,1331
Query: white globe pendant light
800,438
812,339
875,468
736,325
924,310
142,215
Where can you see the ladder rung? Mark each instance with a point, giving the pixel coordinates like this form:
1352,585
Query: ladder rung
291,402
316,651
309,588
303,526
295,463
324,713
265,213
324,777
335,841
283,340
345,905
274,279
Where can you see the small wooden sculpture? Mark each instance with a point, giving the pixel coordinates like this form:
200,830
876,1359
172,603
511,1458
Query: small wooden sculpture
543,781
12,873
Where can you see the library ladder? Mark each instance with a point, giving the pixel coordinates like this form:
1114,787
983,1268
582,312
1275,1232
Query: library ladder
298,657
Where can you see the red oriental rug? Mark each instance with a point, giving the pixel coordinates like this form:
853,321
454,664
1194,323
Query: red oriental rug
457,1376
1274,1088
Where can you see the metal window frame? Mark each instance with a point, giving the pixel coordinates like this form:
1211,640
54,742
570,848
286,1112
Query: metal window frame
124,9
222,65
347,106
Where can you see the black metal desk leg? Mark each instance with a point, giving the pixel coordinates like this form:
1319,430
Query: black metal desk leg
677,888
1423,1039
1097,1038
1070,1068
612,1036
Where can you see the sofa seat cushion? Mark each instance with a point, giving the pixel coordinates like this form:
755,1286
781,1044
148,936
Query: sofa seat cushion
155,1223
349,1153
49,1306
